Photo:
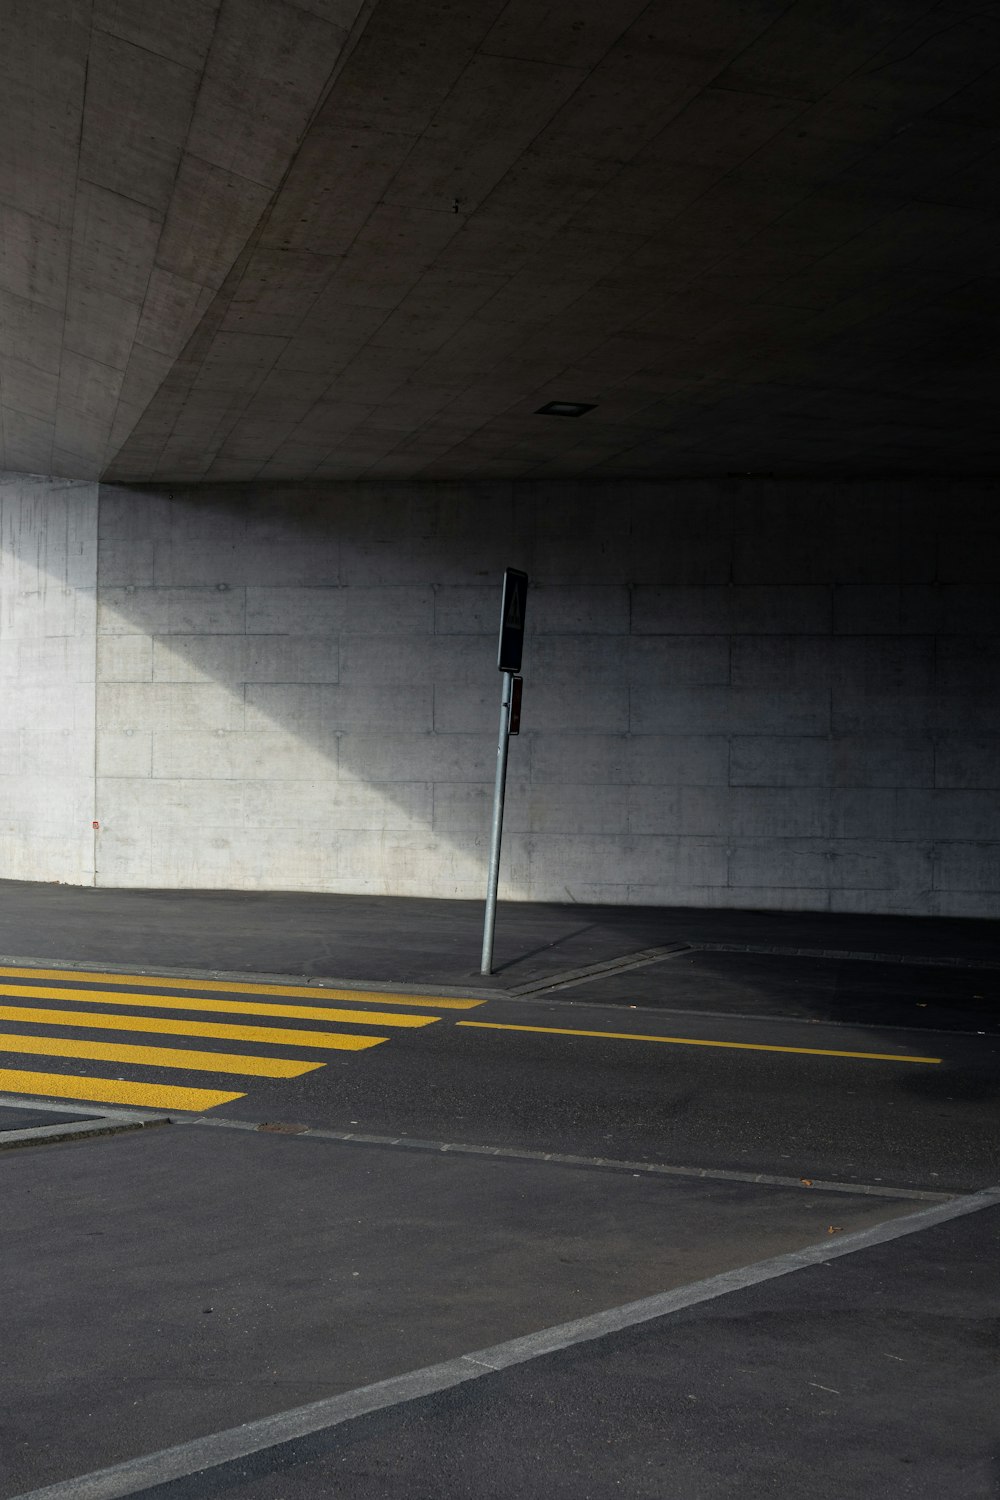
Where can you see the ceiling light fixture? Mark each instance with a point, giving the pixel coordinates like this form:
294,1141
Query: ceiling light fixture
564,409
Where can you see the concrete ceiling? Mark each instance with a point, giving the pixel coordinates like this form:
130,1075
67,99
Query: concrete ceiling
369,238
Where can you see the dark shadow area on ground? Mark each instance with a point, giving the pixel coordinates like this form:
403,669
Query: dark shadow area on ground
788,985
408,940
910,1006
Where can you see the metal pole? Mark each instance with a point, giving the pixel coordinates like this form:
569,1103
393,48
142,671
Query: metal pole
497,829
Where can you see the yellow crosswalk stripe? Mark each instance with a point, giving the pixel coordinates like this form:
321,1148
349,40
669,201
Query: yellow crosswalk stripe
232,1007
359,1012
270,1035
158,1057
241,987
111,1091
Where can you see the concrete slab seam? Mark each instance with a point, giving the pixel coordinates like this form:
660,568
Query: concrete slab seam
590,1163
569,977
516,1351
504,1153
42,1135
180,1462
97,1111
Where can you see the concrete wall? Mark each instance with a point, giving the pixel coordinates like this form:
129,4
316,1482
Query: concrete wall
750,694
48,585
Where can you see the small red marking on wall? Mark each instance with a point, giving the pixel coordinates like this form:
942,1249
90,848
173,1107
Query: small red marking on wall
95,824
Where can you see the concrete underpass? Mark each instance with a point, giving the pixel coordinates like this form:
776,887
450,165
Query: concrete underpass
315,317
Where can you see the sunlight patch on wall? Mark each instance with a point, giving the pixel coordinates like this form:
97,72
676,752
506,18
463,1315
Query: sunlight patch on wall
48,577
208,776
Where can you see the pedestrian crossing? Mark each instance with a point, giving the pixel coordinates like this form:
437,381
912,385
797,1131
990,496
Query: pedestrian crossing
52,1021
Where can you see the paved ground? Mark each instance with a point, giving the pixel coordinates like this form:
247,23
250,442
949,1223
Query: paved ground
636,1103
871,1101
395,940
867,1376
202,1278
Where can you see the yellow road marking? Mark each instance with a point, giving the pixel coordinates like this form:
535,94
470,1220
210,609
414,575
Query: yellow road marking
272,1035
237,1007
235,987
687,1041
111,1091
159,1057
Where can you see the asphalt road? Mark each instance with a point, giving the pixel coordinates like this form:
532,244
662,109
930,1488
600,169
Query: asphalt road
799,1113
860,1102
206,1278
391,940
873,1376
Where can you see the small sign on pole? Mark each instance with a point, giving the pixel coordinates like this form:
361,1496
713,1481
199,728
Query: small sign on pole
517,683
515,597
512,606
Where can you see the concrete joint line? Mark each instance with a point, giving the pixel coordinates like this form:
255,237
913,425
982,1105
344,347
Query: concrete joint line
569,977
93,1111
187,1459
468,1148
43,1135
590,1163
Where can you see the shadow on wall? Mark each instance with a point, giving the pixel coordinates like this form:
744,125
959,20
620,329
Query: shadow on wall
299,693
728,700
298,689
